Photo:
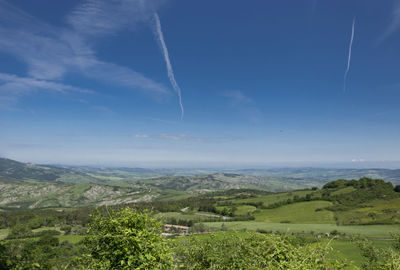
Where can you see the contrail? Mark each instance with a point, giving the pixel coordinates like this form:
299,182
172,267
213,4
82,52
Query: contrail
349,57
164,50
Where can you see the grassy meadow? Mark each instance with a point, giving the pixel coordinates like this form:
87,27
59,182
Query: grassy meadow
302,212
371,231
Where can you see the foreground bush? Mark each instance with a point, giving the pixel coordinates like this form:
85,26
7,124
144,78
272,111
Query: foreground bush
45,253
251,251
380,259
125,239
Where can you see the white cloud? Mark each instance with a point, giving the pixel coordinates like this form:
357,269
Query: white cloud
188,138
51,52
355,160
244,105
181,137
395,22
104,17
141,136
236,97
160,37
346,73
12,87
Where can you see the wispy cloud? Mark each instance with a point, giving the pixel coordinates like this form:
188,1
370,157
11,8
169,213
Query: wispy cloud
394,24
244,106
346,73
13,87
105,17
51,52
181,137
167,122
104,110
188,138
171,76
236,97
44,84
141,136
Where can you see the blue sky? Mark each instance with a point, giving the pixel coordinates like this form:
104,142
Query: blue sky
261,82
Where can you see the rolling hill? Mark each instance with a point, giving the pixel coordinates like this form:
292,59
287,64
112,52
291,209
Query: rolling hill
26,185
14,171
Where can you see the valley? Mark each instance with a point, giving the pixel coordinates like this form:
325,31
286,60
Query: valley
36,200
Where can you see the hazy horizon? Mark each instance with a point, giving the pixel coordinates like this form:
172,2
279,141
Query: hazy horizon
395,165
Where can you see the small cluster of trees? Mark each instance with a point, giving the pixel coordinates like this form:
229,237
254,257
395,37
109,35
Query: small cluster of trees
295,199
45,218
183,222
21,231
365,190
223,211
362,183
45,253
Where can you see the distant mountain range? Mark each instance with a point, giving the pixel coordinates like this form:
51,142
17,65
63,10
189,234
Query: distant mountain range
11,170
26,185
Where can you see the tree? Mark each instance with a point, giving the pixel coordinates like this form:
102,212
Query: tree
66,229
45,253
125,239
20,231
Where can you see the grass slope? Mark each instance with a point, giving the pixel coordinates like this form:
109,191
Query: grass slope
273,198
373,231
302,212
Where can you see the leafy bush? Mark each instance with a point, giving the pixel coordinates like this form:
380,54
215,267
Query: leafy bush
380,258
250,251
199,228
44,253
66,229
125,239
20,231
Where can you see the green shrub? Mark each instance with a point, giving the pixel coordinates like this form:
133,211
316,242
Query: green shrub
45,253
20,231
380,258
66,229
125,239
251,251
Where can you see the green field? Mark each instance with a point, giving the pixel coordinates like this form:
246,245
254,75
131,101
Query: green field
372,231
171,195
302,212
273,198
47,228
70,238
350,251
244,210
384,211
197,217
